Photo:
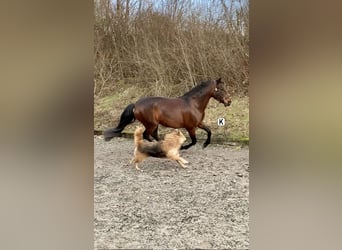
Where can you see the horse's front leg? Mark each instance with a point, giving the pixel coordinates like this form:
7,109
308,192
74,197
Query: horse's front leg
207,129
193,138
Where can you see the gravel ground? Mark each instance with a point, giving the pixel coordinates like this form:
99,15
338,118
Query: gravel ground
165,206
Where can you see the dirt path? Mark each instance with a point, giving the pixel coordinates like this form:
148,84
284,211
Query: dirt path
164,206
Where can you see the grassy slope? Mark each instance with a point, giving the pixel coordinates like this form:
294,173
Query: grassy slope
107,111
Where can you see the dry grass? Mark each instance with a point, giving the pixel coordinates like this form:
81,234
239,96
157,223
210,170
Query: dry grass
162,48
167,47
108,109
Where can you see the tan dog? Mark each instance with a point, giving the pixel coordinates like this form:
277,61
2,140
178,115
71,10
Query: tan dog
168,148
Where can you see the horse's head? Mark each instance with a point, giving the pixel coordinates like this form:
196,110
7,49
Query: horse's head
220,93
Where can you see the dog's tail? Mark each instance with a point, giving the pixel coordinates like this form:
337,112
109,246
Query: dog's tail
138,136
126,118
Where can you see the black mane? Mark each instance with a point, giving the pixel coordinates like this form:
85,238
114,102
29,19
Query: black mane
197,90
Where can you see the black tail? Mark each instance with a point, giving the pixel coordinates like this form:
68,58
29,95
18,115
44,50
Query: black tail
126,118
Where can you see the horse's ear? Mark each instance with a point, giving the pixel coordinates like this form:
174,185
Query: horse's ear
218,80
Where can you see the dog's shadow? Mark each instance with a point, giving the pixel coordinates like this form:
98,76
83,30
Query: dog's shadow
159,165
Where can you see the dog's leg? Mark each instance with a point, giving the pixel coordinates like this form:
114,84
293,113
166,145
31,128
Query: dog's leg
137,167
136,161
183,160
174,155
181,163
178,159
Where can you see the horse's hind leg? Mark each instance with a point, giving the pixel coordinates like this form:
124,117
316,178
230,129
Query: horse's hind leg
146,135
207,129
150,130
155,134
193,138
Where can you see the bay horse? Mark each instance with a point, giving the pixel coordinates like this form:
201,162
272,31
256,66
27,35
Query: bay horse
186,111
